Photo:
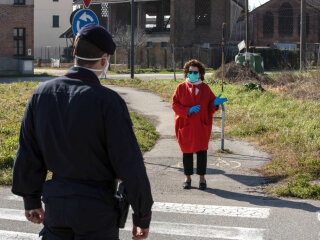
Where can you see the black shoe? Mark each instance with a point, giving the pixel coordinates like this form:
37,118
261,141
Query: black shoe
203,186
186,185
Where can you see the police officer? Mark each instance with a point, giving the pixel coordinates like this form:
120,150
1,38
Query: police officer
81,131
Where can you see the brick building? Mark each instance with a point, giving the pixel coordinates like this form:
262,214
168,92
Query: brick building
278,21
16,36
193,26
185,23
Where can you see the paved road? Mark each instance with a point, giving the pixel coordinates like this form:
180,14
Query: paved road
233,206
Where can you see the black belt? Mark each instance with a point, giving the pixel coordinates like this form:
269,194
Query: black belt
99,184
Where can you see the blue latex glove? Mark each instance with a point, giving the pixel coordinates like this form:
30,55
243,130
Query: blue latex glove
194,109
219,100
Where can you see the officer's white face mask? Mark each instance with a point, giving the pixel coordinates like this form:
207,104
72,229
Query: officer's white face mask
103,71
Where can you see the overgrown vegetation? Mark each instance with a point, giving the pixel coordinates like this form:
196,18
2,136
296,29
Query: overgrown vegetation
299,85
285,126
13,100
296,84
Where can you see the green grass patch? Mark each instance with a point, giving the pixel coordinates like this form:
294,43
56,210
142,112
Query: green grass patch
154,70
13,100
224,151
145,132
49,68
44,74
285,126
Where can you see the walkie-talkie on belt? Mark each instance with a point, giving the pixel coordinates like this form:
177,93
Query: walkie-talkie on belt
122,205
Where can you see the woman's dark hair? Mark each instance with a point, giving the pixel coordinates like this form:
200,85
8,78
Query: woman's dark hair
86,49
194,63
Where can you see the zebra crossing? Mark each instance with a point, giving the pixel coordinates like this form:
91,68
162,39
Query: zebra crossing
170,221
171,229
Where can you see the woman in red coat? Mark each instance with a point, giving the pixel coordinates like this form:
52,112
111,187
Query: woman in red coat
194,105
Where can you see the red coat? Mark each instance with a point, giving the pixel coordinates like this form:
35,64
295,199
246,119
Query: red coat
193,132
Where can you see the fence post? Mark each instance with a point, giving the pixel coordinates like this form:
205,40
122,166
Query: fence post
115,61
173,62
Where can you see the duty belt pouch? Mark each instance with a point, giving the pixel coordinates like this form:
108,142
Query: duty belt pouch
122,205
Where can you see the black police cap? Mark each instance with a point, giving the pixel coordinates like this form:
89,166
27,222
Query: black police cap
99,36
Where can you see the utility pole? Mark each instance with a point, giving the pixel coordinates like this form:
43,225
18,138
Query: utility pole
132,39
247,25
303,34
247,57
222,46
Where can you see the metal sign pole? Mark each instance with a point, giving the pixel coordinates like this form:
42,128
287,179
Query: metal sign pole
132,39
222,126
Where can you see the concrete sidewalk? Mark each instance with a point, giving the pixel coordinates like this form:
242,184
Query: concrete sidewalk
226,173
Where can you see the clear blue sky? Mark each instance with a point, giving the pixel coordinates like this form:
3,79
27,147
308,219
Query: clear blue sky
256,3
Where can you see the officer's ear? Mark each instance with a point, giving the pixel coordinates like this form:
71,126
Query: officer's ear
105,58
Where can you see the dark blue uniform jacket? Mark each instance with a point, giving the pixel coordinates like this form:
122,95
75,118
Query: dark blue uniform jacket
81,130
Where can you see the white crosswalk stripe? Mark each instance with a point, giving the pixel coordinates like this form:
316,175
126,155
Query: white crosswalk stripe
12,214
205,231
13,198
9,235
227,211
245,212
170,228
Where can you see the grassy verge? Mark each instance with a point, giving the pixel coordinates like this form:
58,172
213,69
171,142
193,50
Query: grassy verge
153,70
285,126
27,75
136,71
13,99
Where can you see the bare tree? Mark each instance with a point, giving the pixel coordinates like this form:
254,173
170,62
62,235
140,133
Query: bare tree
122,36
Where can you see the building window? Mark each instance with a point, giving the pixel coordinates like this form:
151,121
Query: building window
307,24
202,12
166,19
285,20
268,25
151,22
19,41
55,21
19,2
56,0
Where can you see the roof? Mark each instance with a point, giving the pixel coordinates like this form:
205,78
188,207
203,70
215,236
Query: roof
67,34
312,3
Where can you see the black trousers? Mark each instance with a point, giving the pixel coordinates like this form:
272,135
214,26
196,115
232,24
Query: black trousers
201,163
78,212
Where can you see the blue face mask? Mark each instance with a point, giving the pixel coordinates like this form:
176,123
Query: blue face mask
193,77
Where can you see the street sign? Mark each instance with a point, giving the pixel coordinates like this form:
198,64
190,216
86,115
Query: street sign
87,3
82,18
242,45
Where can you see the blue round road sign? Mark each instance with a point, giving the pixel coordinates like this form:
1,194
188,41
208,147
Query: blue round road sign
82,18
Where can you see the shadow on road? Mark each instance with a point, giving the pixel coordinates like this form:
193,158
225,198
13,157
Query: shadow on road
251,181
243,157
264,201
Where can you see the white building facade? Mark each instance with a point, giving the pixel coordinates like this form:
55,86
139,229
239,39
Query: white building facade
51,19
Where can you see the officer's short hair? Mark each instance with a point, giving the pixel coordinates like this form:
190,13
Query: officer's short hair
86,49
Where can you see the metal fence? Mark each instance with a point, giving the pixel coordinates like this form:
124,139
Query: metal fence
47,53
